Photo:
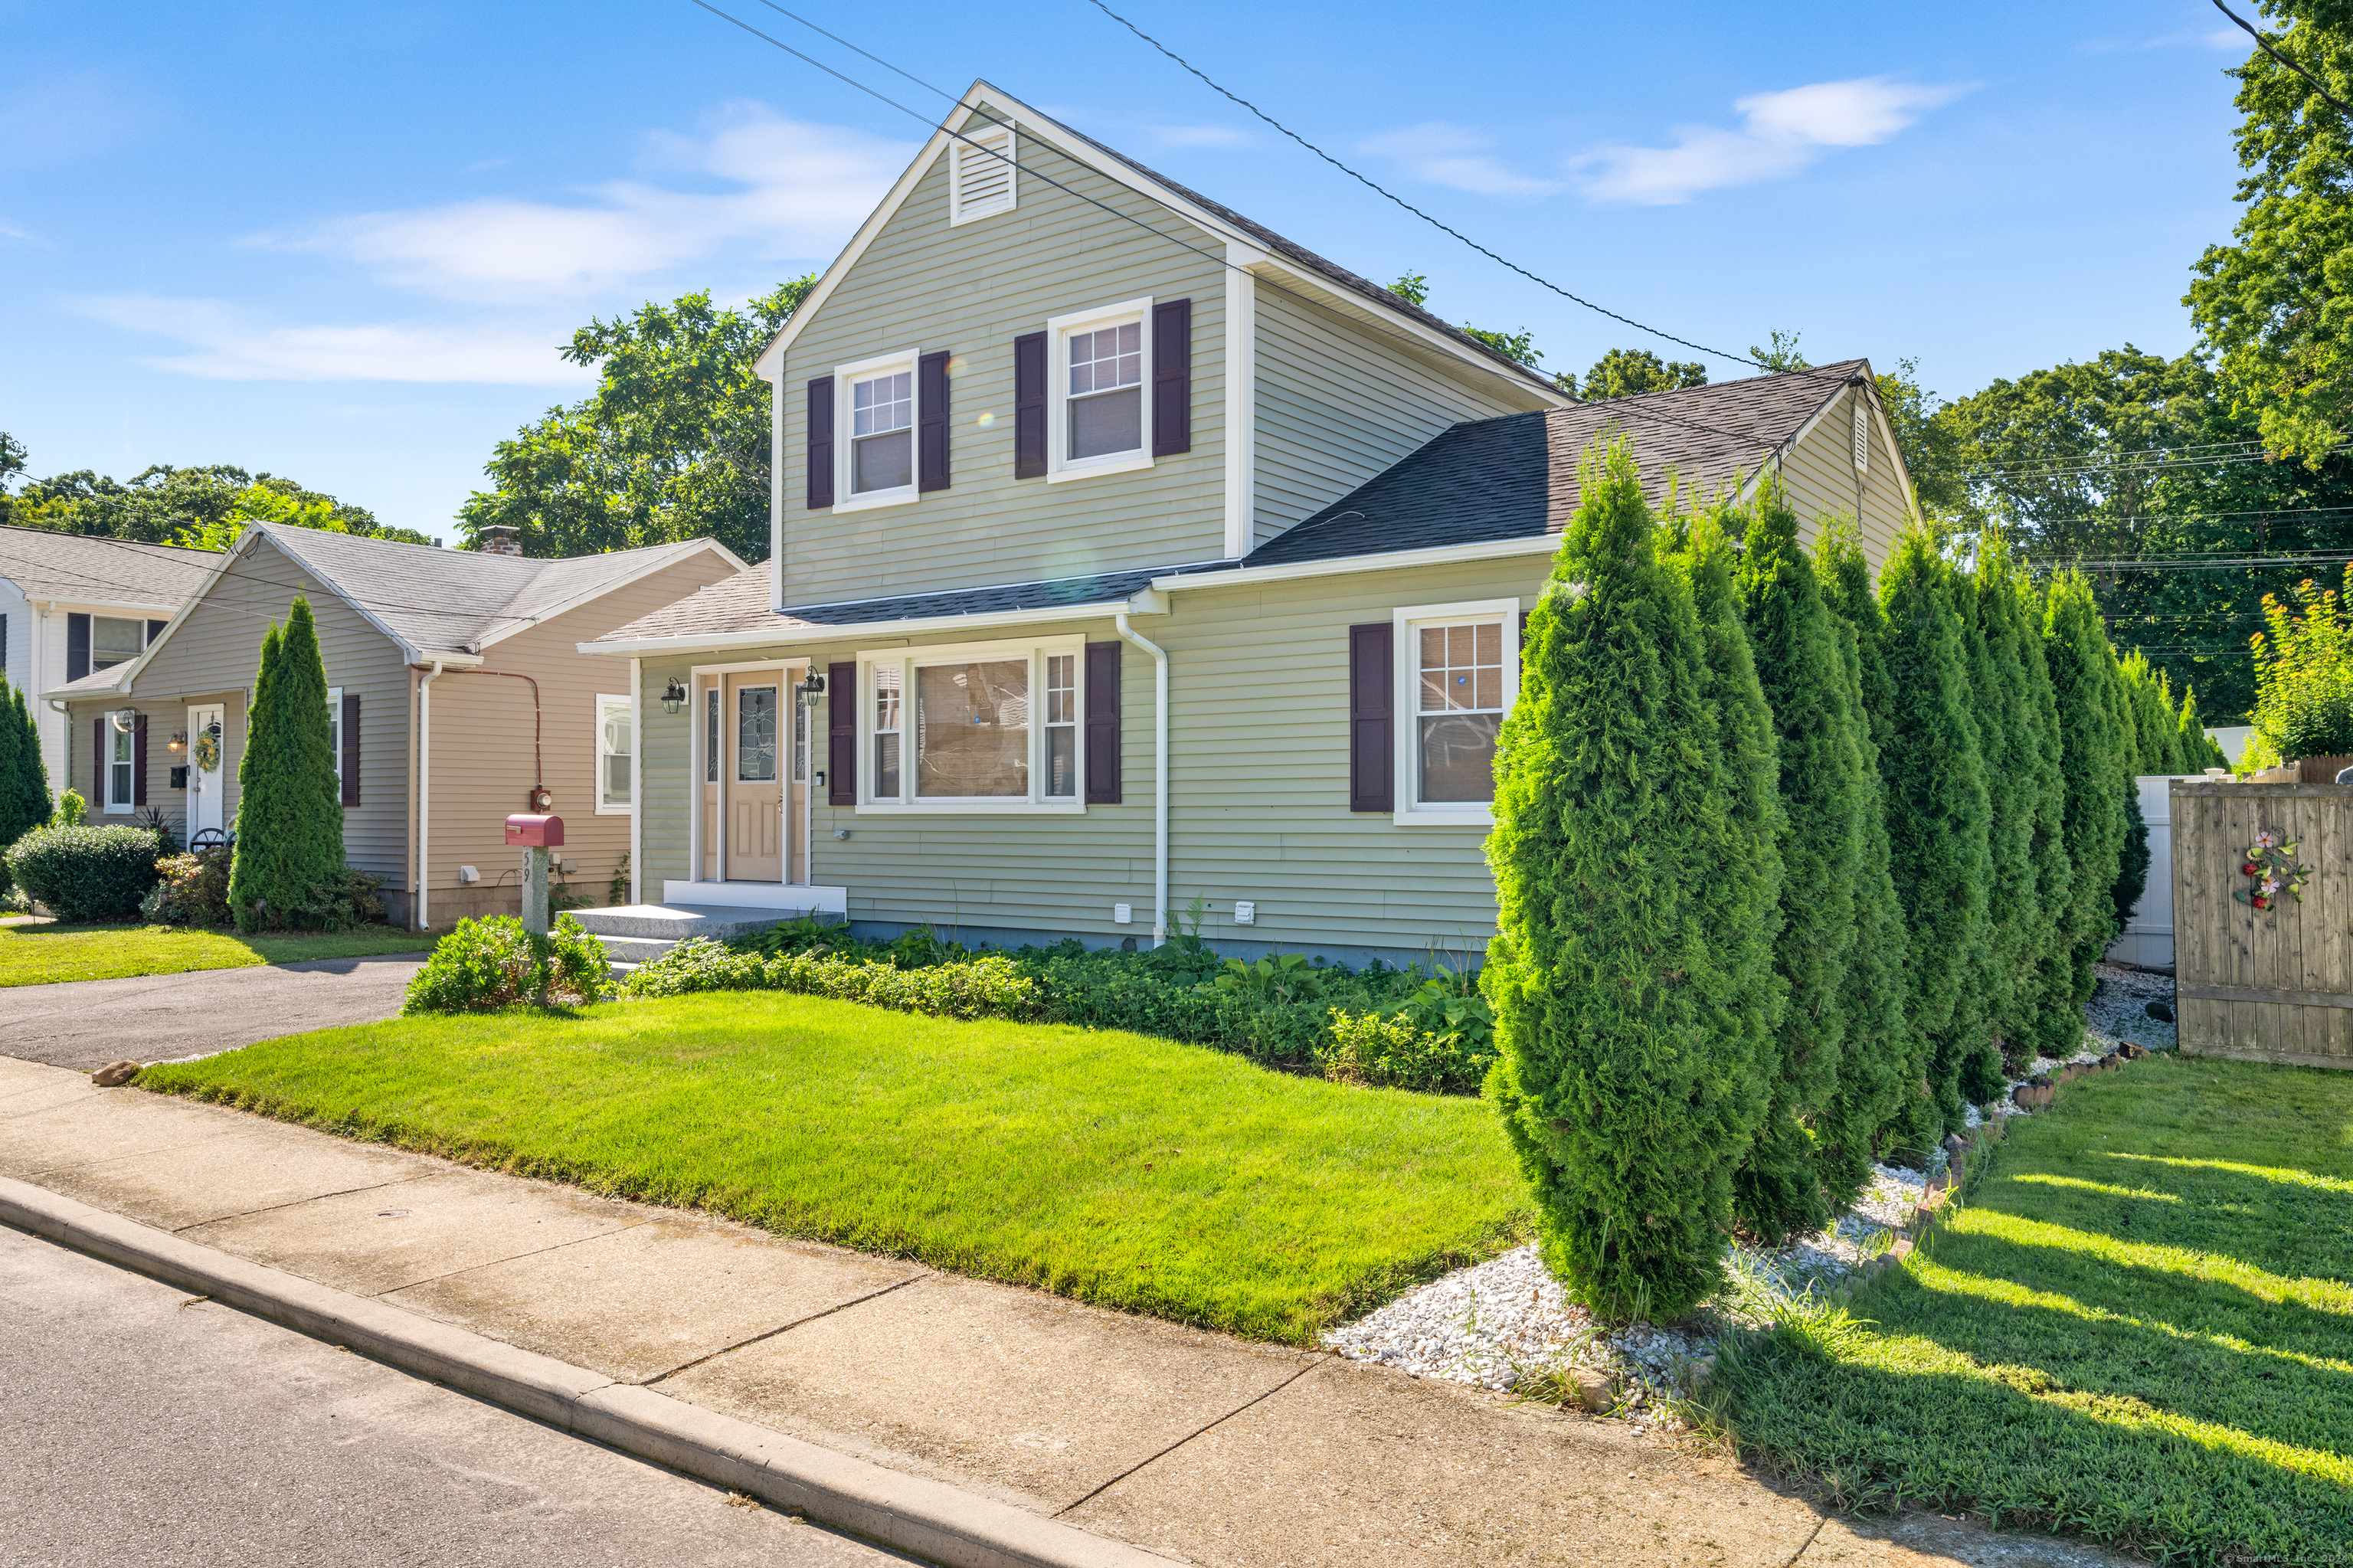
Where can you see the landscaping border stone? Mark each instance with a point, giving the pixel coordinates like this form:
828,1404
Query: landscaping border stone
930,1519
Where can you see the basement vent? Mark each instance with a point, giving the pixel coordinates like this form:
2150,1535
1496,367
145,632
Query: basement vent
980,172
1862,431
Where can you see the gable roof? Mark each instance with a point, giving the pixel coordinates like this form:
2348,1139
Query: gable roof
1214,216
1514,477
87,569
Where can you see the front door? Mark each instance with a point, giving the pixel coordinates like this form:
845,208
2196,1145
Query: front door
208,789
756,810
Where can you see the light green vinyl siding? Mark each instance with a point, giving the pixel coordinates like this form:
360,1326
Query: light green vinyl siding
1819,474
971,290
1259,790
1338,404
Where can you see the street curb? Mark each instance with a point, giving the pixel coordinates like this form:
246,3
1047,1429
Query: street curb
928,1519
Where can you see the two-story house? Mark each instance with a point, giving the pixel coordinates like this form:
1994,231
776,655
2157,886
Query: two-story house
1124,552
72,603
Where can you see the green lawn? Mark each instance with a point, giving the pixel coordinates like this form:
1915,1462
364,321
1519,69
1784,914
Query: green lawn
1119,1169
2140,1325
36,955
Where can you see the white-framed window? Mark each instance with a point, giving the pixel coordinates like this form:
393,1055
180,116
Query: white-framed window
1458,673
336,728
875,422
981,175
1099,366
616,743
115,640
121,762
981,726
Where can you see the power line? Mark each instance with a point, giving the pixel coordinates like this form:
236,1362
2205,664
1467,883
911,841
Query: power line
2266,45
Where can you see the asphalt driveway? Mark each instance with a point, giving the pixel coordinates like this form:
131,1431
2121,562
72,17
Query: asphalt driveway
166,1018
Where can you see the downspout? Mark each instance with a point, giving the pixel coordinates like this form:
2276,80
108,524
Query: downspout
1159,776
425,790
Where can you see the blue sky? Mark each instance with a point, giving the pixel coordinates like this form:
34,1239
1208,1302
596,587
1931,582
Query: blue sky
343,242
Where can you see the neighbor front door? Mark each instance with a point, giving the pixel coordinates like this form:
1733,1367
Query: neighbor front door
207,785
755,814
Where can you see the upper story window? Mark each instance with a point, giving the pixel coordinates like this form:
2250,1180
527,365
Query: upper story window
1101,363
1458,671
875,460
980,172
114,640
986,726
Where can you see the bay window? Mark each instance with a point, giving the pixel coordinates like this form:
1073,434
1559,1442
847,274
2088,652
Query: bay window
986,727
1101,363
1458,669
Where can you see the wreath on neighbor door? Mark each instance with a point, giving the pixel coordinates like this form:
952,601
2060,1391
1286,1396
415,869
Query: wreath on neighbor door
207,748
2271,867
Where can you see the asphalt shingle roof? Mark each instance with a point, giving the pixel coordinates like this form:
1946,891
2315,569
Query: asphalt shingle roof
85,570
1514,477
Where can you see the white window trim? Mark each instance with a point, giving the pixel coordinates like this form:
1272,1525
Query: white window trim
1405,704
908,659
958,150
335,730
111,806
1059,465
605,702
844,441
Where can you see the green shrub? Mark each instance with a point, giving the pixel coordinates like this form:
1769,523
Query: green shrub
484,965
346,901
1627,876
24,777
86,875
2304,673
1392,1051
71,809
290,812
191,889
988,987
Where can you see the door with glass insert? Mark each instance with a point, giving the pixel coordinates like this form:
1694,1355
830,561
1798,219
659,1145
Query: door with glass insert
753,710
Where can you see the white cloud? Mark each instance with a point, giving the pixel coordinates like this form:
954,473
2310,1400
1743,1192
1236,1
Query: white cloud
798,191
1441,155
1781,133
2230,39
230,345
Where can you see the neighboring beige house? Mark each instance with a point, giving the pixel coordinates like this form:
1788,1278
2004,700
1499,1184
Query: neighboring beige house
1123,551
70,603
455,689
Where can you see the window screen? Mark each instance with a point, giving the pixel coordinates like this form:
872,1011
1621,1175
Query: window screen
882,432
1107,390
1459,710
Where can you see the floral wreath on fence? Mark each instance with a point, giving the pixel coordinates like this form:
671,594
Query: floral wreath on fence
2274,866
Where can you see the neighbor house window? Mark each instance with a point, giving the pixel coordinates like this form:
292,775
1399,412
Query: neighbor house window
1458,670
121,753
115,642
1101,363
986,726
336,728
876,465
615,746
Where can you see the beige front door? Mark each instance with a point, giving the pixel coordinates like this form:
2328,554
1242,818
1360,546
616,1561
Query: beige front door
754,706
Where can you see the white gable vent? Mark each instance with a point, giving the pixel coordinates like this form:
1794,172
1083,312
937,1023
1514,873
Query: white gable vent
1862,431
980,172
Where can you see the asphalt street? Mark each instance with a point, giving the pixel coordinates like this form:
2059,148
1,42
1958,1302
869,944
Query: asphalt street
166,1018
138,1427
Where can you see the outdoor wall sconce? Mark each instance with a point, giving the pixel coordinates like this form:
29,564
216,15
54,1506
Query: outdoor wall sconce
673,697
812,687
124,719
179,741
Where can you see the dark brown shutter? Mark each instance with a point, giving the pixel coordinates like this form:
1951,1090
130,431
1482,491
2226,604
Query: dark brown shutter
77,646
350,738
1372,736
155,629
97,760
820,442
1030,405
932,421
841,734
138,760
1102,723
1172,378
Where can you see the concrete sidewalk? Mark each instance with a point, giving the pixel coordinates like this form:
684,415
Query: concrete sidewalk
1195,1446
167,1018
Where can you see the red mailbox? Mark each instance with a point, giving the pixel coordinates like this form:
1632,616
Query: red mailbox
535,832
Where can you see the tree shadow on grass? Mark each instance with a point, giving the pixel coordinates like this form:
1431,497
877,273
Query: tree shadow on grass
2278,1226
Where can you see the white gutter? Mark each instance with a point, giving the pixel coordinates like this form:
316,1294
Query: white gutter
425,791
1160,777
636,772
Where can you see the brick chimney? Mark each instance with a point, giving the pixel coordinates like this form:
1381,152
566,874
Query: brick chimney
498,539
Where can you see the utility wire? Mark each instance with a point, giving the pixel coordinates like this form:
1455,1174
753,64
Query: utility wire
2266,45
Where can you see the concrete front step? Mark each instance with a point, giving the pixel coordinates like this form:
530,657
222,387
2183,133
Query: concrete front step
634,934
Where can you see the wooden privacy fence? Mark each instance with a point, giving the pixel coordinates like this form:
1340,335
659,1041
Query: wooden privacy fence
2264,985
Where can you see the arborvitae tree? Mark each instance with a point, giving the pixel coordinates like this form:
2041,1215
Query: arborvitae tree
2199,751
1813,694
1634,906
24,777
1883,1099
2156,723
2097,776
2008,733
2044,1028
1936,807
290,813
